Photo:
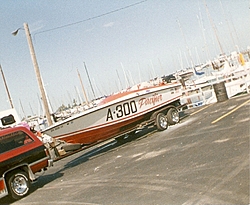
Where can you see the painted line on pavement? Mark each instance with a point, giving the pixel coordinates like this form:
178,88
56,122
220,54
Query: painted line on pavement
201,109
223,116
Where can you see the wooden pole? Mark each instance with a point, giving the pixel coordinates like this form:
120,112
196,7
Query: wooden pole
38,75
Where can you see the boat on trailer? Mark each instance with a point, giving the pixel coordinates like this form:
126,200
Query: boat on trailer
122,113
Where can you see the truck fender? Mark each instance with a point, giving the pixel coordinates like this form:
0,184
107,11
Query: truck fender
23,167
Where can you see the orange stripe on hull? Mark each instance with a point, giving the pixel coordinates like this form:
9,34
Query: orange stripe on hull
102,133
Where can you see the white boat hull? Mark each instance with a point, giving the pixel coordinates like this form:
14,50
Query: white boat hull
115,117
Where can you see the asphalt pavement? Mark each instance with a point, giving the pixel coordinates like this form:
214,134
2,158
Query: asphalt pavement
204,159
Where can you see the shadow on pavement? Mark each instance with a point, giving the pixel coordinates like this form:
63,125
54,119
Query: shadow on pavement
115,143
89,153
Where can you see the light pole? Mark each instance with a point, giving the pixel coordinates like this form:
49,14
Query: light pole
37,72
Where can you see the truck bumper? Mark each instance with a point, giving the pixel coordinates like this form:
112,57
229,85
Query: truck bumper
3,188
50,163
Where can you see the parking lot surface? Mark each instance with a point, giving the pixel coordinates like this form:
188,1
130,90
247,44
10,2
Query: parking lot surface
202,160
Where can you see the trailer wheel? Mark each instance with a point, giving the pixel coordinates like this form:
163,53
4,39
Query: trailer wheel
161,122
173,116
18,184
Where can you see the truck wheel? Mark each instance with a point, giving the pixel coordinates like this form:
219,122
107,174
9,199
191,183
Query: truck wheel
18,184
161,122
173,116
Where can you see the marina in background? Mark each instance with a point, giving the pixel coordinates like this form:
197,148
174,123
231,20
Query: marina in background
198,86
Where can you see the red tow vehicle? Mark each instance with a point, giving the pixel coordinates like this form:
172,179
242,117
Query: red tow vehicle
22,155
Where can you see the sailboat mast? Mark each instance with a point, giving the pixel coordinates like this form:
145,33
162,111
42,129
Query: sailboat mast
78,94
120,83
6,87
203,33
189,52
214,28
230,32
126,78
83,90
22,108
89,80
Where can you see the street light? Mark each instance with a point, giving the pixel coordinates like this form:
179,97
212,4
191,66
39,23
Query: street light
37,71
14,33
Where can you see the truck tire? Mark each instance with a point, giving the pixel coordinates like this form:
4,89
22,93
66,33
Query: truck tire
161,122
18,184
173,116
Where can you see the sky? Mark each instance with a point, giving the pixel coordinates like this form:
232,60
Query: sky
121,43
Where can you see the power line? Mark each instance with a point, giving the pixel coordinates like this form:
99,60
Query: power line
91,18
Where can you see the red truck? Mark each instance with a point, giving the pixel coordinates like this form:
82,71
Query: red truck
22,155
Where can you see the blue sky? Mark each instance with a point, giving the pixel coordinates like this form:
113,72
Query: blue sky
148,39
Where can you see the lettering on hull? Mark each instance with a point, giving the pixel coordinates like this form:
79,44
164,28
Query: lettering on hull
122,110
129,108
150,101
61,126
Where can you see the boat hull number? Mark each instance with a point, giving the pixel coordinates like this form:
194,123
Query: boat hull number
122,110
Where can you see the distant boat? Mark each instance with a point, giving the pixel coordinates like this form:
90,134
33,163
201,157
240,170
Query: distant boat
234,72
122,113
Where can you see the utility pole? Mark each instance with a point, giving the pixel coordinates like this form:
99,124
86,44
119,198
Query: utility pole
38,75
6,87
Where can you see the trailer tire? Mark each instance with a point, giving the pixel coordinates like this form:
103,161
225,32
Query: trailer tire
161,122
173,116
18,184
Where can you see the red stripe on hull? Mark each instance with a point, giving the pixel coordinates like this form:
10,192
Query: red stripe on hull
103,133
